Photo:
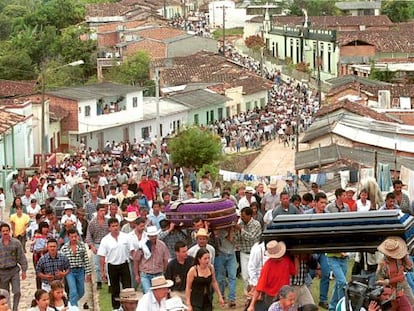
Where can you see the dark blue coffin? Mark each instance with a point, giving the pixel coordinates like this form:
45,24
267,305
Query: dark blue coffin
340,232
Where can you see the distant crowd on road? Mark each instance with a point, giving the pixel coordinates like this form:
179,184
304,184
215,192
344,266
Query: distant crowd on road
194,22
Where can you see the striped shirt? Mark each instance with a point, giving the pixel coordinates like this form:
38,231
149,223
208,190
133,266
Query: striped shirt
79,259
96,232
249,234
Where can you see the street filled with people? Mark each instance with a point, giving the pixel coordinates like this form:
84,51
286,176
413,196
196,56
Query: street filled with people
115,208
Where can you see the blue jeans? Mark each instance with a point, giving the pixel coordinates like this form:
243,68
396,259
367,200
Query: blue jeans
146,280
76,283
96,262
222,264
324,281
339,267
409,276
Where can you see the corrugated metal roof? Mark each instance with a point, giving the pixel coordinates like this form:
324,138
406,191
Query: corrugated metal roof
364,130
355,5
312,158
199,98
94,91
8,120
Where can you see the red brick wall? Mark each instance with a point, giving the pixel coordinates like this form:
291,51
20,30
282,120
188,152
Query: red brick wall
70,123
407,117
155,49
359,50
109,39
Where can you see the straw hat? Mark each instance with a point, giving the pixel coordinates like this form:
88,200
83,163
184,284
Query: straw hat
272,186
128,294
394,247
175,304
202,232
160,282
275,249
350,189
131,216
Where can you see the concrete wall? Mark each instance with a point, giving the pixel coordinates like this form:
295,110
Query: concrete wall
251,29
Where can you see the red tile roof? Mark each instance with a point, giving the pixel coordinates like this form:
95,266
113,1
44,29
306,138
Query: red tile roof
206,67
387,41
10,88
358,109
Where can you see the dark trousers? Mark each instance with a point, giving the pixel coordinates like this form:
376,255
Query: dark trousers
118,274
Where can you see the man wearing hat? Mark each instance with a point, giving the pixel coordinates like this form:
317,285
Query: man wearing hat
129,299
155,298
150,259
276,272
290,187
202,242
391,270
247,199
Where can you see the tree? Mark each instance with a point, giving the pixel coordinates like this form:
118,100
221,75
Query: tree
381,75
194,147
135,70
254,42
398,11
313,7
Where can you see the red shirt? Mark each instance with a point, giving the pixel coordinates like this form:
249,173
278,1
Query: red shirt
275,273
352,204
148,189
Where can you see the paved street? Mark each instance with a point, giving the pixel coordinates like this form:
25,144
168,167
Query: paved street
275,159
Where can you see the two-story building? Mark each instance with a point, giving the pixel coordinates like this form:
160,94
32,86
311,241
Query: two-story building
316,40
97,113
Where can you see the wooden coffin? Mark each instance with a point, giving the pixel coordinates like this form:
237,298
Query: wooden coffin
220,213
340,232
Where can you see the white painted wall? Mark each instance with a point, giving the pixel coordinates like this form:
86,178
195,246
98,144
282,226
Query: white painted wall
23,145
96,122
234,17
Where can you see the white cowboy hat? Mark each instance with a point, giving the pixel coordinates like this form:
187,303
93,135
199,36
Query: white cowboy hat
128,294
160,282
152,231
131,216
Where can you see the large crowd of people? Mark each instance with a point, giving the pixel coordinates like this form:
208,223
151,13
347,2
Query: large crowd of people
117,211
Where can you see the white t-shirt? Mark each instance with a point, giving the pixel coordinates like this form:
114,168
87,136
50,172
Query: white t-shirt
149,303
115,251
363,208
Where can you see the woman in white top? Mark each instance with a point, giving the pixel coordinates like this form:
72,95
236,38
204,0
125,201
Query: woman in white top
363,204
41,301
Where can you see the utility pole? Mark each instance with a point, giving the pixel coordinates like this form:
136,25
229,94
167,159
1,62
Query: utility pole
319,74
224,29
158,122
